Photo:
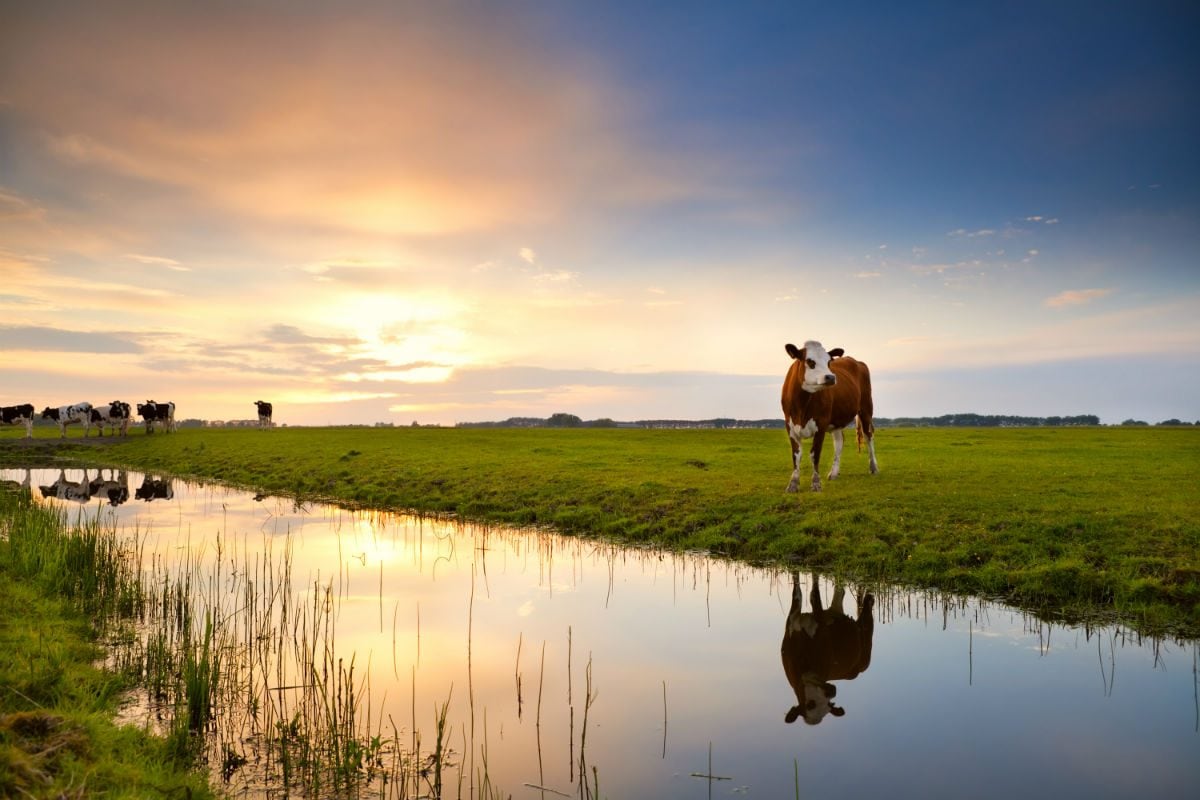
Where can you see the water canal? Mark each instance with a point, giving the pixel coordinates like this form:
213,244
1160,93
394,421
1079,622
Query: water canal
652,674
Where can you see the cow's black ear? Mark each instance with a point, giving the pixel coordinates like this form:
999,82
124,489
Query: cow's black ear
791,715
794,351
837,351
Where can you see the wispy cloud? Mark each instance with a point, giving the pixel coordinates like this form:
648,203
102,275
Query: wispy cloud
30,337
290,334
1075,297
158,261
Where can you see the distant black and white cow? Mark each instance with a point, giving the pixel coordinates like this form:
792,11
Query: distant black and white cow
115,415
154,489
155,413
19,415
264,414
69,415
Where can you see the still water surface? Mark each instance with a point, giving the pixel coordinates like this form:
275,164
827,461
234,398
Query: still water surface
696,664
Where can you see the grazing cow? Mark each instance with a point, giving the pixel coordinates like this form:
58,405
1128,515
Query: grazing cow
154,489
264,414
19,415
69,415
154,412
115,415
115,490
824,393
63,489
824,645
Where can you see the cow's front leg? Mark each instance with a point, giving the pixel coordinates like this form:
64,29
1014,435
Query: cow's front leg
818,440
837,455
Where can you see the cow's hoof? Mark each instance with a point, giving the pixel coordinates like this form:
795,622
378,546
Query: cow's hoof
791,488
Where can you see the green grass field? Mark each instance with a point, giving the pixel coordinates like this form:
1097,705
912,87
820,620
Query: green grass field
1065,521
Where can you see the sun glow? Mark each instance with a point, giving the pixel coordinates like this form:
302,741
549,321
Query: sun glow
416,337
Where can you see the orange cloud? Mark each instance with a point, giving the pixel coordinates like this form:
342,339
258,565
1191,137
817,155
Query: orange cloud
1076,297
406,120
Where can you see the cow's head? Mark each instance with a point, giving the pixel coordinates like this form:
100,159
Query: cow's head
815,360
146,409
818,702
49,413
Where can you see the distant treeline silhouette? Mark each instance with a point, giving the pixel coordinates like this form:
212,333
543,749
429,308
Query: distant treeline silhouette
944,421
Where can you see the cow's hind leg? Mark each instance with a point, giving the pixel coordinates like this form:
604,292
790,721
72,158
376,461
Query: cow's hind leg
866,425
837,455
874,465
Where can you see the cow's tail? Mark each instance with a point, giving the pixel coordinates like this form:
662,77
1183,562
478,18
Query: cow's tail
858,433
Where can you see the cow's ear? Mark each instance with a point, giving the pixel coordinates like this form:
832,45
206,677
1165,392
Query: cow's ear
794,351
835,352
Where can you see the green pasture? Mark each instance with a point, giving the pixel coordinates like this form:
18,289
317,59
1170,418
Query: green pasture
1065,521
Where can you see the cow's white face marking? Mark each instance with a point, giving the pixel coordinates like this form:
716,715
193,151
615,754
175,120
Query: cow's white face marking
817,375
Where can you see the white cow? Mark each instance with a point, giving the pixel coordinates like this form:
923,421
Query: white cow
115,415
69,415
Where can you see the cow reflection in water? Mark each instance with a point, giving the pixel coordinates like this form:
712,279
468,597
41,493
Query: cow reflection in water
114,489
63,489
824,645
18,487
155,489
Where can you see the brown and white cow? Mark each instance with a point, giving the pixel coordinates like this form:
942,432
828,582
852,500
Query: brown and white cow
19,415
824,645
826,392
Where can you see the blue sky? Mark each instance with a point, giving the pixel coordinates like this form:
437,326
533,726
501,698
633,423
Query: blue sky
454,212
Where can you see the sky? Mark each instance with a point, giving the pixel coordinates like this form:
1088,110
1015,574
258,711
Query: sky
466,211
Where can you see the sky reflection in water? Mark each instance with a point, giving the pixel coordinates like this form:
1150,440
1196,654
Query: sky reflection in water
960,698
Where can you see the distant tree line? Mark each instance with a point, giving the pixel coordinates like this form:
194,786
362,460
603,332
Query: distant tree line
986,421
561,420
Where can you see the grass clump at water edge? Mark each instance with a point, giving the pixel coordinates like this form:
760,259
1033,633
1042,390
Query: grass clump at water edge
57,734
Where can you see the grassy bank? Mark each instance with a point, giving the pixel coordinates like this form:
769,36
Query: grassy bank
1068,521
57,735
